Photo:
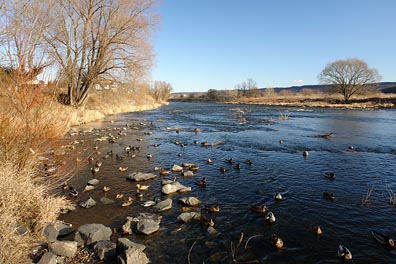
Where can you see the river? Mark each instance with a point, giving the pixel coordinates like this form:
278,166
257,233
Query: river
361,152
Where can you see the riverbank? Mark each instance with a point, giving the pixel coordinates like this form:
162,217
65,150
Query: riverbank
373,101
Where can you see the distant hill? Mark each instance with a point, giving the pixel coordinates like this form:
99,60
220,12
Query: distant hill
385,87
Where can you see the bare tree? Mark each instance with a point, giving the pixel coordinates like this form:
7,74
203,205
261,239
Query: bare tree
161,90
349,76
21,40
95,40
247,88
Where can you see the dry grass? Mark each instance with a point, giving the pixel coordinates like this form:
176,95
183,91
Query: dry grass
23,203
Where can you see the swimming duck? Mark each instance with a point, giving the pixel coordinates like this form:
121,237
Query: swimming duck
330,175
149,156
278,196
128,202
90,158
119,157
213,208
343,252
259,208
142,187
106,188
249,162
281,141
196,142
95,170
316,229
194,168
201,182
197,130
122,169
139,194
222,169
209,161
65,186
151,203
276,241
205,144
164,172
73,192
328,195
207,222
119,195
384,239
237,166
270,218
98,163
229,161
305,153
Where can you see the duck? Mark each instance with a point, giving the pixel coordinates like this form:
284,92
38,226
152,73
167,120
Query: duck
237,166
95,170
278,196
119,195
149,156
344,253
194,168
222,169
209,161
316,229
201,182
330,175
207,222
142,187
122,169
72,191
119,157
197,130
213,208
281,141
229,161
305,153
196,142
90,159
139,194
128,202
205,144
106,188
383,239
276,241
270,218
249,162
151,203
258,208
65,186
164,172
328,195
98,163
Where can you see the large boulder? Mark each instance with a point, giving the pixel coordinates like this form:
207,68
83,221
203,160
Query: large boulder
190,201
63,248
174,187
131,253
139,176
105,249
187,217
163,205
48,258
148,223
50,233
91,233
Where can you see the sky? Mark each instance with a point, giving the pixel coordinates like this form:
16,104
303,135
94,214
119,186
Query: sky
217,44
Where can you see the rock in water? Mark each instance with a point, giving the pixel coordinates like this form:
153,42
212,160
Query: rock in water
88,203
190,201
63,248
163,205
105,249
188,216
90,233
139,176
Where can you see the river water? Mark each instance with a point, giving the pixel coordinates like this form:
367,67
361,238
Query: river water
361,152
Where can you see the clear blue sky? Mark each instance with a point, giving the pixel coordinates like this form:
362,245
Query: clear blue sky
216,44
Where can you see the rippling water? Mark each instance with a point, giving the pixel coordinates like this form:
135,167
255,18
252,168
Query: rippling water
244,132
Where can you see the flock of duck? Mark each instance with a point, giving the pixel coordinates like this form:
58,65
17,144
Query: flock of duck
131,151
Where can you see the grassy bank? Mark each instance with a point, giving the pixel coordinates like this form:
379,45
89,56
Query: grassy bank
32,125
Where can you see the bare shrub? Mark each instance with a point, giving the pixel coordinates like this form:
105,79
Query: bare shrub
27,204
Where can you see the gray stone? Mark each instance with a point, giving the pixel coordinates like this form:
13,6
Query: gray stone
127,227
89,188
139,176
172,187
105,200
188,216
185,190
125,244
134,256
190,201
177,168
69,208
21,229
105,249
93,182
48,258
188,173
132,253
50,233
64,229
165,181
211,230
88,203
163,205
63,248
91,233
147,226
